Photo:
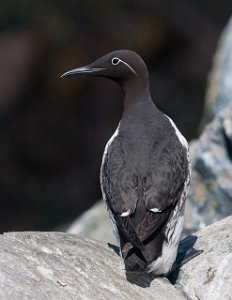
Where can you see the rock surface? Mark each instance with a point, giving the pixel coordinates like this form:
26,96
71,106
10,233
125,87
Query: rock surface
54,265
57,266
211,193
219,92
210,197
95,224
209,275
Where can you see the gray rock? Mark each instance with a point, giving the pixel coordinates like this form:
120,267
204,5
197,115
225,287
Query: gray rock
209,275
41,266
94,224
211,192
210,197
219,92
63,266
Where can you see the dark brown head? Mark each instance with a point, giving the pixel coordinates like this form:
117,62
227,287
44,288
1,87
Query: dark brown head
122,66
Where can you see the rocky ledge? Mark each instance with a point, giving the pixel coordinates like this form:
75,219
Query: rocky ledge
39,265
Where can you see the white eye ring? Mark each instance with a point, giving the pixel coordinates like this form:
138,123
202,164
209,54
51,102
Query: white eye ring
115,61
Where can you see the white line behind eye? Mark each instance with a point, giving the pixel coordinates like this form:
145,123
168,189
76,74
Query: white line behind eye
126,64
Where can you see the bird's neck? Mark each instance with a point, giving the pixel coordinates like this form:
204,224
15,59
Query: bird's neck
136,94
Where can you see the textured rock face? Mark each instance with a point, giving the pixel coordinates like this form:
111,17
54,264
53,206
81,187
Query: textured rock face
57,266
211,192
95,224
219,92
63,266
209,275
210,197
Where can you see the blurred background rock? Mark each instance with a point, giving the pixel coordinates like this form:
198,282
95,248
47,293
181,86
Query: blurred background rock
53,131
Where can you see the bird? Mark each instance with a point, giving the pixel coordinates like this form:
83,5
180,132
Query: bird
145,171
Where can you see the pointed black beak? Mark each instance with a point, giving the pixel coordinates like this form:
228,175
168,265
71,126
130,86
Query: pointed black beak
87,70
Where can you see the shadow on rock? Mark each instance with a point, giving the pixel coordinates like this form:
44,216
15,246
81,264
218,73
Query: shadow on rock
142,280
115,248
186,252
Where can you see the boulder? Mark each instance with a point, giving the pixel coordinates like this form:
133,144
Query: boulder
53,265
95,224
208,276
210,197
219,92
41,266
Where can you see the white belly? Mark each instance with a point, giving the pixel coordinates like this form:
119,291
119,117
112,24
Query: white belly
164,263
173,231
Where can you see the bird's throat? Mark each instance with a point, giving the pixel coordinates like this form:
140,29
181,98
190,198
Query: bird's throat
135,93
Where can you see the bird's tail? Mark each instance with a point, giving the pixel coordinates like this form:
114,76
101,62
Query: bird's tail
138,259
128,233
134,259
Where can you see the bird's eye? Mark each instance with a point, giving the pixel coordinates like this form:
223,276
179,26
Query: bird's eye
115,61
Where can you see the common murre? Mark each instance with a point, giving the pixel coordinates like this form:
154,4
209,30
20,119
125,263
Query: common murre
145,170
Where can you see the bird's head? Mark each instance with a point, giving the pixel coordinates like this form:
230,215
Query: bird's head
121,66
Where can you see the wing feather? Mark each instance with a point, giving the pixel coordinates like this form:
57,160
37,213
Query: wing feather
119,189
158,187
